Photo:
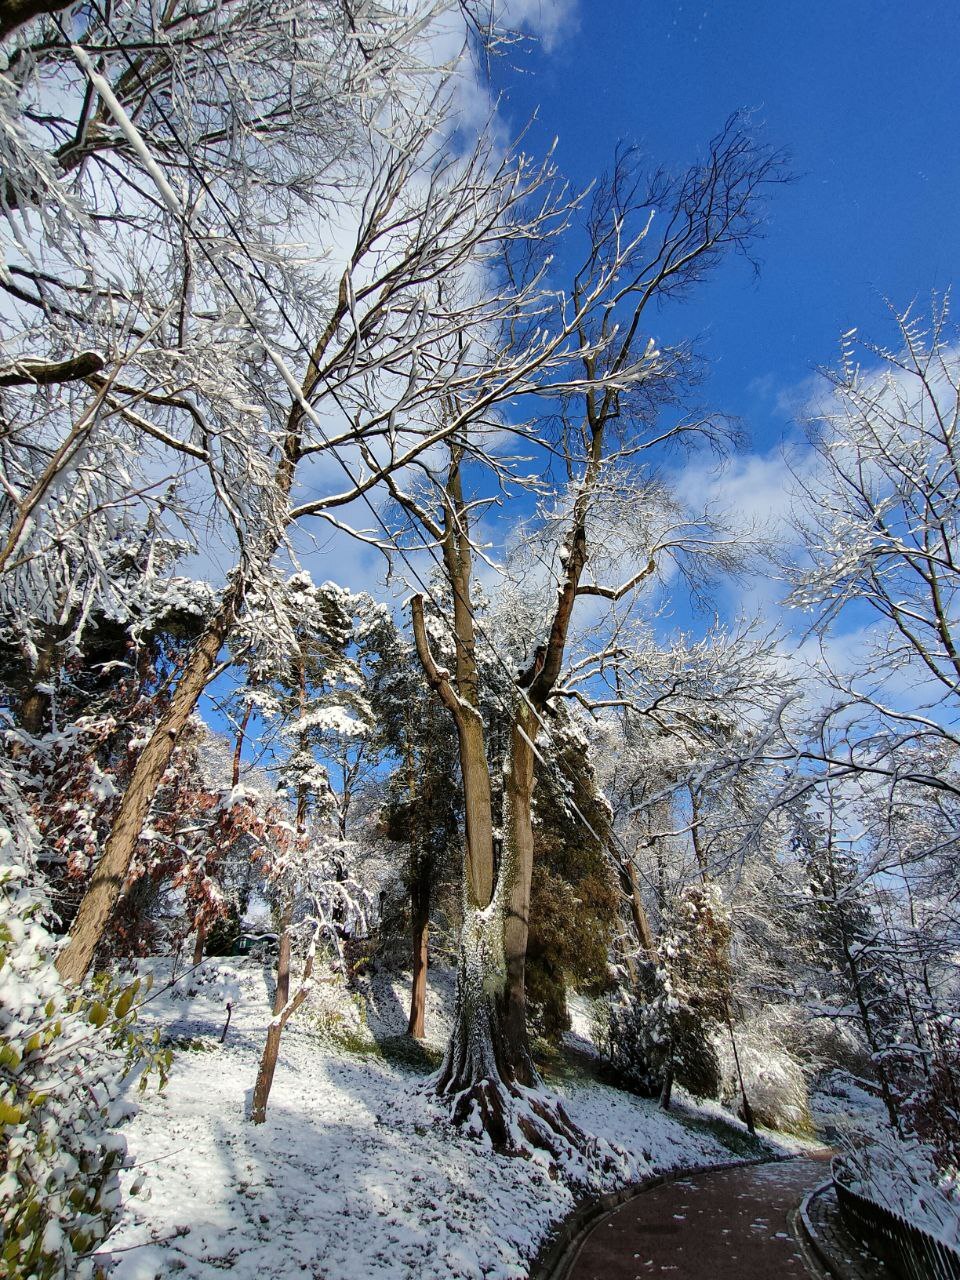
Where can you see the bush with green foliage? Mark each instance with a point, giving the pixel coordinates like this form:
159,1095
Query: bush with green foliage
574,898
665,1023
63,1056
644,1035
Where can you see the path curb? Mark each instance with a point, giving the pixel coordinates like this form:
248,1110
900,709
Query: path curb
807,1235
834,1262
557,1255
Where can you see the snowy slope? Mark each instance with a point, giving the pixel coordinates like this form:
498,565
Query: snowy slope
355,1174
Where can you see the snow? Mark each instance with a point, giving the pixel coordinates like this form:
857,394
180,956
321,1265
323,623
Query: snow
899,1175
355,1173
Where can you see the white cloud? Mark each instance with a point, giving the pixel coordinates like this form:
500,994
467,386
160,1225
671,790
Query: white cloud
549,21
753,493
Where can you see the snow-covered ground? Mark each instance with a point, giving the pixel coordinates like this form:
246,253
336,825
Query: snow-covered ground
355,1173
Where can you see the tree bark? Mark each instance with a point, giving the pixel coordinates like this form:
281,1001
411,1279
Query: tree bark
199,944
271,1050
485,1065
35,707
238,745
666,1093
477,800
282,993
111,871
517,874
696,820
45,373
420,904
638,912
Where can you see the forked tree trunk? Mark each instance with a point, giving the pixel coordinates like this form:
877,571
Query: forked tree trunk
282,993
479,1075
271,1050
488,1064
110,873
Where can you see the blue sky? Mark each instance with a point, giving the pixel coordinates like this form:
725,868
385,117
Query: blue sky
863,94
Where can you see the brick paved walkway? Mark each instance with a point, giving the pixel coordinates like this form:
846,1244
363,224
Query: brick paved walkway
846,1254
710,1227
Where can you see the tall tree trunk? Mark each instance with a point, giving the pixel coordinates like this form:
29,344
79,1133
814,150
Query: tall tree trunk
478,1073
420,930
282,993
517,874
238,745
199,944
638,912
110,873
696,829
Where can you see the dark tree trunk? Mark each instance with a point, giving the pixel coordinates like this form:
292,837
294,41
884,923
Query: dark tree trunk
238,746
666,1093
35,708
14,13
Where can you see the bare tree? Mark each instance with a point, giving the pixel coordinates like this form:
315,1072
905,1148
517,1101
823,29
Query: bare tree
387,347
879,514
607,425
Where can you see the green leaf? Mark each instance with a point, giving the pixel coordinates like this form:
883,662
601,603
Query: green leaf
99,1013
122,1007
10,1114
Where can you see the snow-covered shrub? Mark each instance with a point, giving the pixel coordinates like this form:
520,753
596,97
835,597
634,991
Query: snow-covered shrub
774,1081
818,1043
642,1039
831,1044
621,1036
62,1057
901,1175
930,1105
661,1030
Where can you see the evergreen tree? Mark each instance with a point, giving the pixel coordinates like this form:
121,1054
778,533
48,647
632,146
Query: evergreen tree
423,800
573,895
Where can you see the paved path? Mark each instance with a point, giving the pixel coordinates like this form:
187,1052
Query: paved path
709,1227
